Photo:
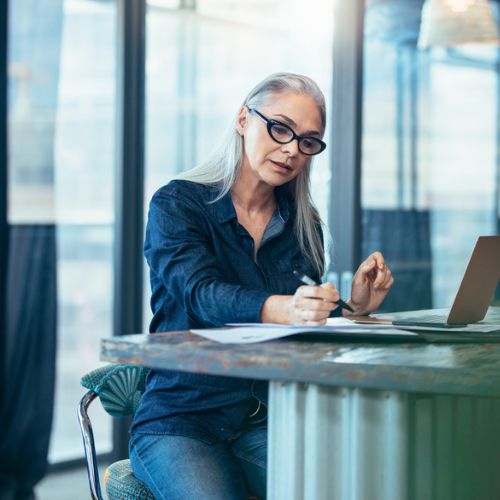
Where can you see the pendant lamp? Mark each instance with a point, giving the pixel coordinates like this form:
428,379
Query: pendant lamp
446,23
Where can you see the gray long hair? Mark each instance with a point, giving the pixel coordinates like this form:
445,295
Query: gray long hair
222,166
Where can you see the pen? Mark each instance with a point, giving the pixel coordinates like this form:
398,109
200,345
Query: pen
309,281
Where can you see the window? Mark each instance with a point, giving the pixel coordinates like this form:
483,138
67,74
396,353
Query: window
430,171
200,64
61,171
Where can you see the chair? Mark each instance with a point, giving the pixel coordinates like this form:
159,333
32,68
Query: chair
119,387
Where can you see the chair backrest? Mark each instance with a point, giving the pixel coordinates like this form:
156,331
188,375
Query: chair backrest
119,387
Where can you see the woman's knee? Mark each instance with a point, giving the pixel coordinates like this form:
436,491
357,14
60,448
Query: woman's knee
182,467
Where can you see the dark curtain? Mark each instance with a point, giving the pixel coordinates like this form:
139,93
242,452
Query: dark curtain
29,371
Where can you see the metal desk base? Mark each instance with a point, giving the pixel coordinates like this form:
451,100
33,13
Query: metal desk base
354,444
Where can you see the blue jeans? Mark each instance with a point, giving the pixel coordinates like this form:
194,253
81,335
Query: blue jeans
178,467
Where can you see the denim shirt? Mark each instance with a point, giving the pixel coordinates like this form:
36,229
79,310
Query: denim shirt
203,274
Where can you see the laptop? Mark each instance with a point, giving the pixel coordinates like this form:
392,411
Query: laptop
474,294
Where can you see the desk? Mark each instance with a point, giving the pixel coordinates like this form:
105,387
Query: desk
358,421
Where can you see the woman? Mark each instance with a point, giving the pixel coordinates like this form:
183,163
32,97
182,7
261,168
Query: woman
222,241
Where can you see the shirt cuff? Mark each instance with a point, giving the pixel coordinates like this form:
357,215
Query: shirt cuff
254,306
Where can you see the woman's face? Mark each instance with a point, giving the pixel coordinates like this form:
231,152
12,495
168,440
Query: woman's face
269,161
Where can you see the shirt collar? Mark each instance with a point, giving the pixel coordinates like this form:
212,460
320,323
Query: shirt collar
224,208
283,198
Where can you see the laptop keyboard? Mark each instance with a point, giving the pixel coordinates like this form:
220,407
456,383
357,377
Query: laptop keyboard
430,320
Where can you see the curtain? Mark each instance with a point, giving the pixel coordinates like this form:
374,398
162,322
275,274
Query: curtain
29,370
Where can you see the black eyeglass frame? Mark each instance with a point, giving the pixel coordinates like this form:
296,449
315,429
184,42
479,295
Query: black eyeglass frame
271,122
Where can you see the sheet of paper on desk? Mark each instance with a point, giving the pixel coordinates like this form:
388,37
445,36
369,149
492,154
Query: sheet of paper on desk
247,333
334,322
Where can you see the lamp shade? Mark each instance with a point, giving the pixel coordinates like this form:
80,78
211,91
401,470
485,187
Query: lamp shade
446,23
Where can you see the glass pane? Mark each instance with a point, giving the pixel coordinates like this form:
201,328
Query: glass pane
430,171
61,133
201,63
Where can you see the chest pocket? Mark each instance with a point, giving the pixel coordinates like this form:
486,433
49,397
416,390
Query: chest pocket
303,265
280,273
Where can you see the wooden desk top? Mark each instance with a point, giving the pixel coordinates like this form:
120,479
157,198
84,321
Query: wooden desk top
465,369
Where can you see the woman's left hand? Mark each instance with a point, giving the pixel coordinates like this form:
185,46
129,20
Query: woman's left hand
370,284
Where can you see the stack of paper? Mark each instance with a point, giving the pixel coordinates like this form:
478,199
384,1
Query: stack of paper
245,333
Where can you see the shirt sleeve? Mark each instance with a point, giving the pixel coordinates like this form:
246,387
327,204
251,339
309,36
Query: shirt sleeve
178,251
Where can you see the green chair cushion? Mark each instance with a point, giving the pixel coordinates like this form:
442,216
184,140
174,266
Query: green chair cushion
119,387
121,484
92,379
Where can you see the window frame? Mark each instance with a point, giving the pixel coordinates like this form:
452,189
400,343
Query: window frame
129,184
4,229
344,217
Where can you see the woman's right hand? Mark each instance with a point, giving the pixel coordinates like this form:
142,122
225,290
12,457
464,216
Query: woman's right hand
310,305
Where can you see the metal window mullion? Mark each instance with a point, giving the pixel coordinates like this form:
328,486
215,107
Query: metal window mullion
345,210
400,125
129,195
496,201
4,229
414,125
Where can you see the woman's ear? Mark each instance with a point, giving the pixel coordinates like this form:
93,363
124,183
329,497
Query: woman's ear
242,119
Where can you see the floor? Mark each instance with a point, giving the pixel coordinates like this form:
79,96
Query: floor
66,485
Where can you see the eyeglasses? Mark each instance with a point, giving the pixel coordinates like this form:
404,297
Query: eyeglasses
283,134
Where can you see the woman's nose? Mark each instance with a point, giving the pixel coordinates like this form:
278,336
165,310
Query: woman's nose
292,148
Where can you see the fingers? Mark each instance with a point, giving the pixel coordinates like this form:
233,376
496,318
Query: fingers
309,317
379,259
374,262
375,269
382,277
315,323
326,292
368,266
389,283
313,304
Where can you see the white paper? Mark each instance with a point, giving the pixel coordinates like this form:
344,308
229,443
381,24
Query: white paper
246,333
333,322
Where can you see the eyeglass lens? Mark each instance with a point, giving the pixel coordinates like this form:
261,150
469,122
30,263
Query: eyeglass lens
282,134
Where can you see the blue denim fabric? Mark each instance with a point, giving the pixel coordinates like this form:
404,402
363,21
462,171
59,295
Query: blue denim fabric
181,468
203,274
